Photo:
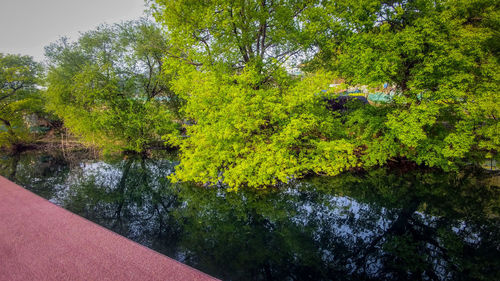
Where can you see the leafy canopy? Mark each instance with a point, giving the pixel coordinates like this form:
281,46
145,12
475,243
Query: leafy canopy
252,122
441,57
19,96
109,89
231,34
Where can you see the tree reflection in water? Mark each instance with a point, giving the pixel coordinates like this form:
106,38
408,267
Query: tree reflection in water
379,225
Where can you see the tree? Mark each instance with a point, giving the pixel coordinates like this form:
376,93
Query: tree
442,57
109,89
19,96
251,121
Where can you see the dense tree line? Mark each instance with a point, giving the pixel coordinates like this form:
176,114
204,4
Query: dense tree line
216,80
255,124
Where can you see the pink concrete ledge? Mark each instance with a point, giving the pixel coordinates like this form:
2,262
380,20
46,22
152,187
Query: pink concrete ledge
41,241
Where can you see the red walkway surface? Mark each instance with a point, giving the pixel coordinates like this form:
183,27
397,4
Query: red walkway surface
41,241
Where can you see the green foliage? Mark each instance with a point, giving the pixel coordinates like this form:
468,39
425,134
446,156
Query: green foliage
251,122
442,56
109,89
19,97
230,34
244,135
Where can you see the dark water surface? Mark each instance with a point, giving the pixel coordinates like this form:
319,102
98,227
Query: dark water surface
378,225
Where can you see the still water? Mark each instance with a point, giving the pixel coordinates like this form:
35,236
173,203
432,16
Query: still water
377,225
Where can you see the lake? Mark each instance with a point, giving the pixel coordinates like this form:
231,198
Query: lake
382,224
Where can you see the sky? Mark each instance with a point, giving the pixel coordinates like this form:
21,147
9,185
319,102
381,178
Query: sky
27,26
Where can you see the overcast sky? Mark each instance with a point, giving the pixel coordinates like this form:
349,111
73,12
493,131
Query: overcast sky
26,26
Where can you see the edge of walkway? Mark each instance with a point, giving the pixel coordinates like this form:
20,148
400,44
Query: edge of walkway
42,241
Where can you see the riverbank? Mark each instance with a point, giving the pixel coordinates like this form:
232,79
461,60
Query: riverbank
71,147
68,144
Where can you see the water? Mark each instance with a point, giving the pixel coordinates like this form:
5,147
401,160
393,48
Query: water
378,225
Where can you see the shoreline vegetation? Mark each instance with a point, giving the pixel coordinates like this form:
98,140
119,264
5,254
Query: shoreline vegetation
256,93
71,146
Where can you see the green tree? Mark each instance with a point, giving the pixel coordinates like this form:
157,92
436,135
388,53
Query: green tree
109,89
442,57
251,121
19,96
